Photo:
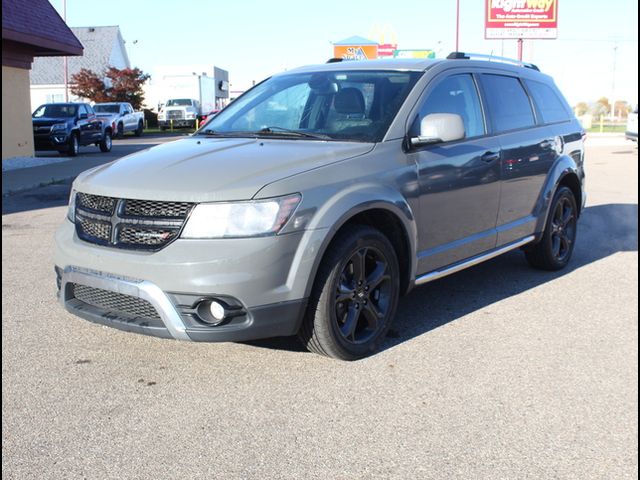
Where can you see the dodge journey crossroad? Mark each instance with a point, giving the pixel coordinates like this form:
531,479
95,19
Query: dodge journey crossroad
318,198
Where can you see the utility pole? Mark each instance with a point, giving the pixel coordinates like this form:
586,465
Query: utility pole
457,25
65,59
613,81
520,42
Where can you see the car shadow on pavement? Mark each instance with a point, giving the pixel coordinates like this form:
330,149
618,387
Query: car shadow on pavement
54,195
603,230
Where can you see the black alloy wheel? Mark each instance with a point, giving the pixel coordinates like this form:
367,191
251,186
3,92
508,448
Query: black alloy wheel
354,296
363,295
555,248
563,229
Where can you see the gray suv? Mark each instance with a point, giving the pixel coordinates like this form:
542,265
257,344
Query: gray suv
314,201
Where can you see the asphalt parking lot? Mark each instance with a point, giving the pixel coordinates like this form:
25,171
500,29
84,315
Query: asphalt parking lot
497,372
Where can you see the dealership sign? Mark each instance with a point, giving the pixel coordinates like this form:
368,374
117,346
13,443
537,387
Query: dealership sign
508,19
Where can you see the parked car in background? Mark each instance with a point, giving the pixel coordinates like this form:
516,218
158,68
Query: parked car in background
632,125
67,126
312,203
122,118
208,116
179,112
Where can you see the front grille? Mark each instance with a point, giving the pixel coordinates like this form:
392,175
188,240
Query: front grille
175,114
96,203
147,208
99,232
147,236
114,302
129,223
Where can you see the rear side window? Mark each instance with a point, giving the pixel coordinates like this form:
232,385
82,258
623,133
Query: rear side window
508,103
457,94
550,106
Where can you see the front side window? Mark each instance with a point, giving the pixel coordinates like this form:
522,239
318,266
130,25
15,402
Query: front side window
354,105
456,94
550,107
508,103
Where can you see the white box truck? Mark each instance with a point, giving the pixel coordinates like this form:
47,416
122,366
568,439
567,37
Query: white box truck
186,98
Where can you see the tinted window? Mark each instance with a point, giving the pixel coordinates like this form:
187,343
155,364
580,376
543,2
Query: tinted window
508,103
549,105
457,94
83,110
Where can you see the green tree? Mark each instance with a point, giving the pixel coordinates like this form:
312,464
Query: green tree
124,85
601,107
622,108
581,108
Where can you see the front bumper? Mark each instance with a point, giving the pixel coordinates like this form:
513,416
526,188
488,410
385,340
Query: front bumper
631,136
280,319
53,141
267,277
177,123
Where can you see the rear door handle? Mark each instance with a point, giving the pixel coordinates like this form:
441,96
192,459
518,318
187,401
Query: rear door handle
490,157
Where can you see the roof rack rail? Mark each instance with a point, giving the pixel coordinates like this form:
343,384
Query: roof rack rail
490,58
335,60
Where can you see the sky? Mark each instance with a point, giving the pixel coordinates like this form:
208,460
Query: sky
595,55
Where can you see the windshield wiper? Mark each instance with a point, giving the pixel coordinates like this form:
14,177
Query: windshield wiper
295,133
215,133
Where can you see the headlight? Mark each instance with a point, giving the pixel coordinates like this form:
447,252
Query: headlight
241,219
71,212
191,115
59,126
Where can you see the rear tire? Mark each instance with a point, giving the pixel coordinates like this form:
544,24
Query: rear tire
354,297
554,250
120,133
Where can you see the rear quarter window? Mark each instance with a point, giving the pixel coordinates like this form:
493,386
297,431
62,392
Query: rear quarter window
550,106
509,104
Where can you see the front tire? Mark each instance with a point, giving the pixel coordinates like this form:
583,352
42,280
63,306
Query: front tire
354,297
74,146
120,133
106,142
554,250
138,132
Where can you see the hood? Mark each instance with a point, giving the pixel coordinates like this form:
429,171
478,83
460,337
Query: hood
48,121
200,169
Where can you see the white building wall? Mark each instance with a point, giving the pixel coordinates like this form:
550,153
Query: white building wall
48,94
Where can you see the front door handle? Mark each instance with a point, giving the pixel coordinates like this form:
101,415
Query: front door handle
490,157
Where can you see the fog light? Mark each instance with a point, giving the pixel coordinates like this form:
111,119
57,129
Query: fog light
217,311
211,312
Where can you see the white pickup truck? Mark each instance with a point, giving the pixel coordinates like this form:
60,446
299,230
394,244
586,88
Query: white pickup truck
122,117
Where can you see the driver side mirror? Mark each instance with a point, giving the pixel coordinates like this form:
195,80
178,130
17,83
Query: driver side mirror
439,128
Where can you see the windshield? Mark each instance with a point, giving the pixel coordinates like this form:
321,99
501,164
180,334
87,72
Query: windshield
179,102
56,111
106,108
356,105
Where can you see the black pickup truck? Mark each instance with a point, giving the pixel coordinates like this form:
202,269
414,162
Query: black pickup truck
67,126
